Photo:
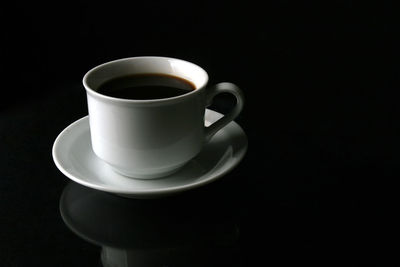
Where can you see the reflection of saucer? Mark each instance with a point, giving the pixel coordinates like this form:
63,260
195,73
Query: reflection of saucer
74,157
170,231
108,220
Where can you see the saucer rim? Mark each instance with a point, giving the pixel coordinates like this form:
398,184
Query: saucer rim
147,192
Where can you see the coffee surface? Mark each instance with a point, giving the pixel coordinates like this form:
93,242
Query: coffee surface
146,86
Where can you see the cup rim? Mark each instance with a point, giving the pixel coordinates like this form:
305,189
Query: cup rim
142,101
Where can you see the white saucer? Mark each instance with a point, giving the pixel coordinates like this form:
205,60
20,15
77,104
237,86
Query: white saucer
74,157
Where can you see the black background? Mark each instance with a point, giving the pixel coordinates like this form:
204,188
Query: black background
317,185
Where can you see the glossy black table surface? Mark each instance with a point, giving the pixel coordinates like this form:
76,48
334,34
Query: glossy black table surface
317,186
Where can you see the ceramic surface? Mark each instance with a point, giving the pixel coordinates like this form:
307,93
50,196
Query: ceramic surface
152,138
74,156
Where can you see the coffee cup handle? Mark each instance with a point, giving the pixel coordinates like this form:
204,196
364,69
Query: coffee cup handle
224,87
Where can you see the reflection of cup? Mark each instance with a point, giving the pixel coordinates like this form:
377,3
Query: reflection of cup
153,137
168,232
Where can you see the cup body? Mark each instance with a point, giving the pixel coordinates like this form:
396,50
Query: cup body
146,138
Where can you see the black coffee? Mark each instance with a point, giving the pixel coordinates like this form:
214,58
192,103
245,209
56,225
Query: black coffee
146,86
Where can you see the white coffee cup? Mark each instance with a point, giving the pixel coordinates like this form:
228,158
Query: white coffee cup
152,138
